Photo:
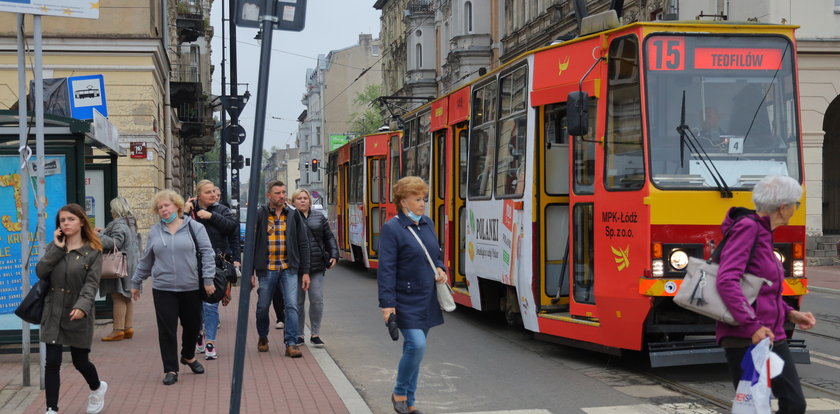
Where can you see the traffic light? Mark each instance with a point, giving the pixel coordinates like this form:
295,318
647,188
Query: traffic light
240,162
314,165
306,166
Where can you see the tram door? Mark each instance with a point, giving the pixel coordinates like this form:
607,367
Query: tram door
553,150
375,205
437,186
459,180
582,252
343,217
392,175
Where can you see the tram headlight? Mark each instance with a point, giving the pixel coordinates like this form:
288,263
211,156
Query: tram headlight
779,255
678,259
657,268
798,268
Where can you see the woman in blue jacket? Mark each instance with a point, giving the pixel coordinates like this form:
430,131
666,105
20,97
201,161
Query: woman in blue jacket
407,283
750,250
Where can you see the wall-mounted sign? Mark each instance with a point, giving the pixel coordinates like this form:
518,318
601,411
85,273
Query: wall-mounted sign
86,94
85,9
138,150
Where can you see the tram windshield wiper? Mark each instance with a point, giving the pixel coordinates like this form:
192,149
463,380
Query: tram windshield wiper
688,138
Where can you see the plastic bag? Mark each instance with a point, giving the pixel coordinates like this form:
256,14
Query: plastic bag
759,365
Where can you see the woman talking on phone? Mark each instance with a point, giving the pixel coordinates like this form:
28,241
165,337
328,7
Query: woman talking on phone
72,263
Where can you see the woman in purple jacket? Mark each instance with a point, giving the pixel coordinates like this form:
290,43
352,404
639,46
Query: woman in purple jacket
750,249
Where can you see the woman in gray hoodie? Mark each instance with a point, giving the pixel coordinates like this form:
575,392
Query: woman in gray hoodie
171,257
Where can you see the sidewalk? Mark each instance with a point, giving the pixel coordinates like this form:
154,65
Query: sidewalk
133,369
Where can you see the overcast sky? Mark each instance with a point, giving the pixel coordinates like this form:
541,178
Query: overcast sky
330,25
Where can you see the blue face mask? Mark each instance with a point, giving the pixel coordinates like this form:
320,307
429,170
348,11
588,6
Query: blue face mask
412,216
170,219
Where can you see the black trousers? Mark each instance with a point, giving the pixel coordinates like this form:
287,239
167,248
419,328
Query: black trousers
169,307
278,303
52,369
786,387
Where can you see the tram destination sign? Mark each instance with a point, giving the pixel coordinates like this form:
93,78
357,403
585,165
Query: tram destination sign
84,9
671,53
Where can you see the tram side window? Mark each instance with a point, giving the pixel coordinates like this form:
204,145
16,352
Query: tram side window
395,164
374,181
331,179
584,253
356,176
424,140
625,167
482,143
440,143
462,162
408,142
510,157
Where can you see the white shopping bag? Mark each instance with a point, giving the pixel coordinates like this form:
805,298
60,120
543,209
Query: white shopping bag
753,394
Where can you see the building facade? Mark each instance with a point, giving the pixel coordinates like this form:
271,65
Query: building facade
155,61
331,90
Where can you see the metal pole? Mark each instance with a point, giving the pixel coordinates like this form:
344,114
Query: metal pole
268,20
234,120
222,145
39,149
23,135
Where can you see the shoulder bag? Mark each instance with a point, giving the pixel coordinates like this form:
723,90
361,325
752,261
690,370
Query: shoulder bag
698,291
31,308
444,291
114,264
219,279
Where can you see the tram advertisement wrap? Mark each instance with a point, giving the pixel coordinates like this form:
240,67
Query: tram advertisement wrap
11,228
491,240
357,225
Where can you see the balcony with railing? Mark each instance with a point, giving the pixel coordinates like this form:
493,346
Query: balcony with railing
185,85
420,6
190,20
196,119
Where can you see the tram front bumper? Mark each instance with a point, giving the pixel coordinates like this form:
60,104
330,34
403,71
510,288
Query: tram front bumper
706,351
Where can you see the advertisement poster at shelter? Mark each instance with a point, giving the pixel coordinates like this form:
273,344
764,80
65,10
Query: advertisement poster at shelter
11,227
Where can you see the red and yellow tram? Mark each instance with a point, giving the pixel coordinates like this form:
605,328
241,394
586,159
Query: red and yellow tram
570,185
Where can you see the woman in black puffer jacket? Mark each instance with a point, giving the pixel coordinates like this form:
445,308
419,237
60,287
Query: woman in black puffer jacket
323,255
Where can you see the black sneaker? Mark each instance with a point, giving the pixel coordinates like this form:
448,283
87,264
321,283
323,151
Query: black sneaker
299,341
316,341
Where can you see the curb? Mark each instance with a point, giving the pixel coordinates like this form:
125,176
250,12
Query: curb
345,390
824,290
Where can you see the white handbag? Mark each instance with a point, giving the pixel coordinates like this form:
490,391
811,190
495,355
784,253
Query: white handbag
444,291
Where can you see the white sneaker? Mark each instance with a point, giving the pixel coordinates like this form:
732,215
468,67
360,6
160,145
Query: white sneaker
96,399
210,351
279,325
50,411
199,344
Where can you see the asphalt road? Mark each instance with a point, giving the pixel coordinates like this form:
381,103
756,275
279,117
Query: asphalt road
474,362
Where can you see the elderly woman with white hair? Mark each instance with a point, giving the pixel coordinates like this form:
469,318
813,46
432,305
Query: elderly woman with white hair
750,250
121,234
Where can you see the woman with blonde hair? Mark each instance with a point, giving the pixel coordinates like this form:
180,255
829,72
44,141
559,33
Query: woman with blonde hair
72,263
121,234
171,258
323,255
403,262
222,228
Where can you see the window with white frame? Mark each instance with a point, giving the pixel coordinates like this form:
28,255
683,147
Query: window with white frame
468,17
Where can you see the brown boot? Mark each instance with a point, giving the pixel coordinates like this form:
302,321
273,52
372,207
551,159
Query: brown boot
262,344
116,335
129,333
293,351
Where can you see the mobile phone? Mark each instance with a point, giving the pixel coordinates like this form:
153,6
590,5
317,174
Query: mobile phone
60,235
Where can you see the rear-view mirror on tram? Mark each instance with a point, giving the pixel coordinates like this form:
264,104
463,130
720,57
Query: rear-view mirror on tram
577,121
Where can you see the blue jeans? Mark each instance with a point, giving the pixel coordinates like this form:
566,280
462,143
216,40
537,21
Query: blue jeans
278,279
414,347
211,321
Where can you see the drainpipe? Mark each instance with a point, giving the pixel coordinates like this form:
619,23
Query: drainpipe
167,105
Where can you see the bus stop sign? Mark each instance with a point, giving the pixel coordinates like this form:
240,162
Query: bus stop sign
290,15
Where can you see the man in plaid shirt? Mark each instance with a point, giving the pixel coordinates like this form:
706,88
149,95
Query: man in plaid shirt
281,256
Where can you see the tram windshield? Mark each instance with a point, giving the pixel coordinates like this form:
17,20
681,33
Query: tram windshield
739,111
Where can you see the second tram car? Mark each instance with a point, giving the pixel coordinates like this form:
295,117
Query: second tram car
570,185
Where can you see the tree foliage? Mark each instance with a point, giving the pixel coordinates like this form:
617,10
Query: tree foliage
369,120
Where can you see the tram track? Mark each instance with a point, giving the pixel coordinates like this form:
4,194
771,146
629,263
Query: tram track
684,389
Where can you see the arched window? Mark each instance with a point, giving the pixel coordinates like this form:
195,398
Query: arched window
468,18
419,60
